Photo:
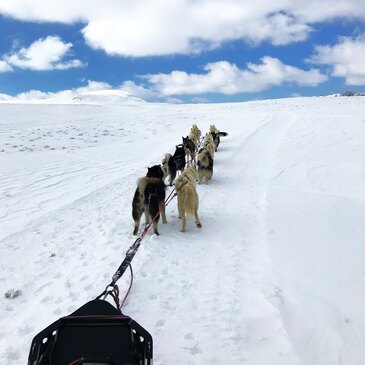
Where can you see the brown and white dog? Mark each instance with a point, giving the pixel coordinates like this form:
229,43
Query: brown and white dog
187,196
209,144
205,165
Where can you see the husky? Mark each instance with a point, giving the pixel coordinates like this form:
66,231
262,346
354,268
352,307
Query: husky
149,199
155,171
171,164
196,130
187,197
179,157
209,144
205,165
216,134
217,138
169,168
213,129
195,134
189,147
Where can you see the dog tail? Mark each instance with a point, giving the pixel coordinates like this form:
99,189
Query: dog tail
166,158
153,200
222,134
203,159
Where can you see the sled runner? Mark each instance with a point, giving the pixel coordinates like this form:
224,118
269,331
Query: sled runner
95,334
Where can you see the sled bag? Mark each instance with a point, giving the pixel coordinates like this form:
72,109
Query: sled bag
95,334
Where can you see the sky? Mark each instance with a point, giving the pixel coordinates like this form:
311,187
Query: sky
182,51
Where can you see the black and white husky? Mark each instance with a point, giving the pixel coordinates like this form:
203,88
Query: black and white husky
149,198
189,147
216,138
173,163
216,134
155,171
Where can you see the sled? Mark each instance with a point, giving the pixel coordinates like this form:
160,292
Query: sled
95,334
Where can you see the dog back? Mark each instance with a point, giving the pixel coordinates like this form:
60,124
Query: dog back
179,157
205,160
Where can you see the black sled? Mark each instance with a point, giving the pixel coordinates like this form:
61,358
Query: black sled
95,334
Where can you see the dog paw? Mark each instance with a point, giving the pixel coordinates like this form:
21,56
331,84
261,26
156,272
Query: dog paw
199,225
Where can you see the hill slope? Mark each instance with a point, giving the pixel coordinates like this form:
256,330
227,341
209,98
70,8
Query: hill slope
275,275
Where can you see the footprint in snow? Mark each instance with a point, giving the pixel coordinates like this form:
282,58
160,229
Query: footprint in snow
23,331
160,323
12,354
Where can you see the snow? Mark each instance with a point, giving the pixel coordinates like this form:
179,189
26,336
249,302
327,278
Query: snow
105,97
276,274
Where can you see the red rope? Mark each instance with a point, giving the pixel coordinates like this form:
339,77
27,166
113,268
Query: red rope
75,362
170,197
129,289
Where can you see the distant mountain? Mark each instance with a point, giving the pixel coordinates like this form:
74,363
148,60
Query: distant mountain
99,97
107,97
347,93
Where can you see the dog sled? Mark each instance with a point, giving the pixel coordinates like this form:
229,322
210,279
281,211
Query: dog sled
95,334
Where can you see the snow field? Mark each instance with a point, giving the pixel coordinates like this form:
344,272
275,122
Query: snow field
274,276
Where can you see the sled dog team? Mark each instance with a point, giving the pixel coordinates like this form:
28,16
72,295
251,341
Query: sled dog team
194,159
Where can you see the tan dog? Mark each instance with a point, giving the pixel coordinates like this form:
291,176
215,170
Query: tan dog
195,134
213,129
187,197
209,144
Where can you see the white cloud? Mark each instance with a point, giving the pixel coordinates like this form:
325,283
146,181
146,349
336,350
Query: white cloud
4,66
346,59
137,90
159,27
69,94
174,101
129,87
5,96
43,54
49,11
33,95
199,100
224,77
220,77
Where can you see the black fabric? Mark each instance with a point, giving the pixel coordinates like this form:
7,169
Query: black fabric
96,331
94,341
96,307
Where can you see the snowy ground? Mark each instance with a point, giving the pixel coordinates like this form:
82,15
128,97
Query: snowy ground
275,276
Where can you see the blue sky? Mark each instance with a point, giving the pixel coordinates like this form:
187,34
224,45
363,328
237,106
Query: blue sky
182,50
